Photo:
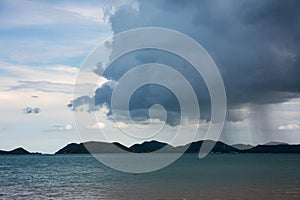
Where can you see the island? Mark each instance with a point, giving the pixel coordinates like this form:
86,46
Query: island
93,147
159,147
18,151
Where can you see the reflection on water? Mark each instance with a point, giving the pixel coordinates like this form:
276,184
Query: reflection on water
222,176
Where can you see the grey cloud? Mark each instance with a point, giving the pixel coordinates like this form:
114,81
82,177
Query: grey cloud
78,103
3,129
29,110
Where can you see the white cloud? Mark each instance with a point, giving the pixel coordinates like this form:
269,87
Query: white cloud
120,125
97,125
53,73
67,127
44,86
55,79
289,127
28,13
92,13
295,101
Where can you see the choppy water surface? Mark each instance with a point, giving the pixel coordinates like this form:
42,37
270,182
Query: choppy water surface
218,176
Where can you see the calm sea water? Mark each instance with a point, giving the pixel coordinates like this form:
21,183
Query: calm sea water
218,176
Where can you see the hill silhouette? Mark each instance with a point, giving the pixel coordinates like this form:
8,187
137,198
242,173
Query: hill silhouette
159,147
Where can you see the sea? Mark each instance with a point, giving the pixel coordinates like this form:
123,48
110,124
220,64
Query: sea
217,176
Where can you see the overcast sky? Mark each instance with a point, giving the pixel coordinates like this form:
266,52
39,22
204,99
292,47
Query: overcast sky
255,44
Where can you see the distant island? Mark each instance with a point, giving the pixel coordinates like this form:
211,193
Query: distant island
18,151
146,147
193,148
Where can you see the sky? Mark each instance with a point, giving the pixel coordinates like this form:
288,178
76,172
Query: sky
255,45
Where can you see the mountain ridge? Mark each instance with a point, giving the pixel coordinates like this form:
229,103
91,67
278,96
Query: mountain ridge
160,147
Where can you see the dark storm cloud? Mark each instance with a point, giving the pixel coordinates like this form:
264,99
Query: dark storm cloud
255,44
